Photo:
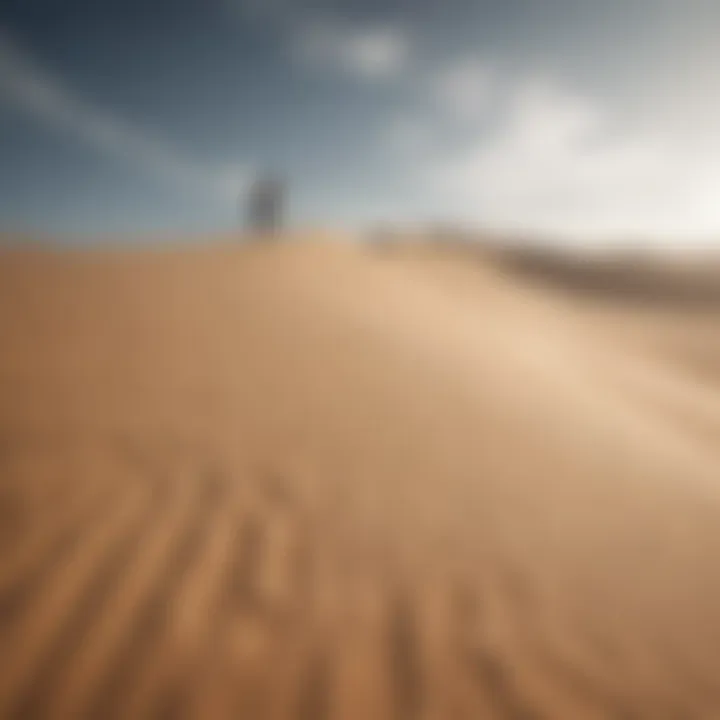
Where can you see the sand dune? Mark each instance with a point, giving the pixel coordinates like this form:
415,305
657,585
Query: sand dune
321,481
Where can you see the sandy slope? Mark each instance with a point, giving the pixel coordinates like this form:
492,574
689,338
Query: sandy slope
314,481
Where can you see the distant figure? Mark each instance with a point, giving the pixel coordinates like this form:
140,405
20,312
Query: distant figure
265,205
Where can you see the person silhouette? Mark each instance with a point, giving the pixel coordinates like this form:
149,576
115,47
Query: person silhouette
265,205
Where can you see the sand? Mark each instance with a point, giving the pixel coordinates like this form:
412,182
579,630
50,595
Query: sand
316,480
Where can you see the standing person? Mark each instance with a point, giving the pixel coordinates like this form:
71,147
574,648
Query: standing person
265,205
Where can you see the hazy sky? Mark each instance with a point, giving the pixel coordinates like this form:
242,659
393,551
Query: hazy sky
585,118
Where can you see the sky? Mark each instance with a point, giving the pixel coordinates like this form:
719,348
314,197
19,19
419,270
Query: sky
579,119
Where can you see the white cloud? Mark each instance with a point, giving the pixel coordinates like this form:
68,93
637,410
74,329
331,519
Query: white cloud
454,97
369,51
378,52
556,165
463,88
34,89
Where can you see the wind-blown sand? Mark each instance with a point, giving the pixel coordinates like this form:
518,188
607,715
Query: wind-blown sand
320,481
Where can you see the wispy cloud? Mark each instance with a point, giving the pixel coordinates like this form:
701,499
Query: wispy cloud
377,52
26,84
556,163
448,102
323,40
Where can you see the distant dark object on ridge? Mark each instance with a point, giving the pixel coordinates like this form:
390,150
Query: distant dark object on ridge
266,205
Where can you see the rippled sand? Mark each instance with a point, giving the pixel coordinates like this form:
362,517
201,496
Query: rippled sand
322,481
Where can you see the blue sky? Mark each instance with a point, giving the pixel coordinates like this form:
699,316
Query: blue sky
576,118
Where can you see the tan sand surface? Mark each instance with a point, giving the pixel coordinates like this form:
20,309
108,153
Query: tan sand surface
316,480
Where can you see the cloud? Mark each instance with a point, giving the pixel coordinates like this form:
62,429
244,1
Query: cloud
319,38
29,86
378,52
558,164
463,88
449,101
